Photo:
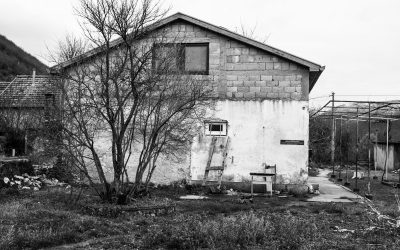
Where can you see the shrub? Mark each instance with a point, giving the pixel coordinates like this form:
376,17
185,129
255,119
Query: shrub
298,190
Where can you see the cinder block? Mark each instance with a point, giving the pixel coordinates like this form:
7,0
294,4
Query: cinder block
239,95
231,77
229,66
269,65
254,89
293,66
249,95
251,59
242,77
298,89
285,66
237,83
253,51
295,83
277,65
254,77
267,58
266,77
261,94
235,59
284,83
214,60
278,78
200,34
295,96
229,83
243,89
272,83
277,89
232,89
261,83
275,59
249,83
290,78
298,77
189,27
284,95
266,89
290,89
245,51
272,95
237,51
229,94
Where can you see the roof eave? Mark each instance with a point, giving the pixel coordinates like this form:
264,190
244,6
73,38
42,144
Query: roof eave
314,76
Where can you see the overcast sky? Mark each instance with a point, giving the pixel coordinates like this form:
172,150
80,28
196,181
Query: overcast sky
358,41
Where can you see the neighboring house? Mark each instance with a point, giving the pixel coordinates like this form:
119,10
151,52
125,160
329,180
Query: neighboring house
29,94
261,115
27,102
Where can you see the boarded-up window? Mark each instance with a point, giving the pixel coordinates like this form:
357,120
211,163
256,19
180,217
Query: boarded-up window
196,58
188,58
167,57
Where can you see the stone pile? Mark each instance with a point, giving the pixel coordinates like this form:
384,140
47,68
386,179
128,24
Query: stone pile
31,182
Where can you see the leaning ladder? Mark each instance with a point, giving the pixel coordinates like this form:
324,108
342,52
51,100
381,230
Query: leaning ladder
216,168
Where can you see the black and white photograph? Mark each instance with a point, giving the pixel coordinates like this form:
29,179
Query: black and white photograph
213,124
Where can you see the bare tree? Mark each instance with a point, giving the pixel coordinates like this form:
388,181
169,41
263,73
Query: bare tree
251,33
131,91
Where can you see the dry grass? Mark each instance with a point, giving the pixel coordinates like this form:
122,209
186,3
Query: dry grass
46,219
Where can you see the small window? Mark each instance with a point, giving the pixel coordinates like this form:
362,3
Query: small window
216,128
189,58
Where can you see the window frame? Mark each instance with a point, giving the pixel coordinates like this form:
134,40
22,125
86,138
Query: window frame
181,62
209,123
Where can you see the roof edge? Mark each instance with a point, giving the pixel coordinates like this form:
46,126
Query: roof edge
311,65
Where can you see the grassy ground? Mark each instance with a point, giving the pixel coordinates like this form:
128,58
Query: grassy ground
50,218
383,196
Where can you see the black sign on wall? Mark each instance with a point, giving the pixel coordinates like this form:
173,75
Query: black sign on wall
292,142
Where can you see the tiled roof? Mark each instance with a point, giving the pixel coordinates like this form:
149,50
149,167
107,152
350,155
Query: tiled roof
27,92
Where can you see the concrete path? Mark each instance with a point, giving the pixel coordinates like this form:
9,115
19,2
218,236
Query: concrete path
329,191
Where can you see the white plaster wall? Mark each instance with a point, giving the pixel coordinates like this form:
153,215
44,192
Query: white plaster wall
167,170
255,129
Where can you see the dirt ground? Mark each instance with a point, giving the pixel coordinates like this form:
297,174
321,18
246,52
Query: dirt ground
53,218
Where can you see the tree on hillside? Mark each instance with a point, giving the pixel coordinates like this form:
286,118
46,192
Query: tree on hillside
132,95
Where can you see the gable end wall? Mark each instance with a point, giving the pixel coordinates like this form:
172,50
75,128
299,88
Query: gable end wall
239,71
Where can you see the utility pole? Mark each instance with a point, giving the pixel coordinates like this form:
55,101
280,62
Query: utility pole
333,137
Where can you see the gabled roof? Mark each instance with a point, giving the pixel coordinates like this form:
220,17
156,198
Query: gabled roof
26,92
315,69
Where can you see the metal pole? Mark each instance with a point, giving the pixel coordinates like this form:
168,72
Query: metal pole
356,187
347,183
341,150
387,147
369,141
333,137
375,153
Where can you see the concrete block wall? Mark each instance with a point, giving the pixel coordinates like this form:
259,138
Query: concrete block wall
238,71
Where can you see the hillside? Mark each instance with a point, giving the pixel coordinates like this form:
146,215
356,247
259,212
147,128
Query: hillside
15,61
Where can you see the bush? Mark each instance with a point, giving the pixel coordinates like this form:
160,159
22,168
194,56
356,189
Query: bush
298,190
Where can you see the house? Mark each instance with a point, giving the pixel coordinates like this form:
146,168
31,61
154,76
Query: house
27,103
261,115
